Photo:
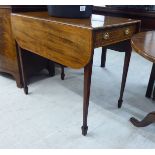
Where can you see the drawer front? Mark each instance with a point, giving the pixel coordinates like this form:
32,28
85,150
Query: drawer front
106,37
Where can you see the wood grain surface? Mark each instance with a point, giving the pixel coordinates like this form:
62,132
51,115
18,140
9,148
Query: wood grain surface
144,44
64,44
8,57
66,41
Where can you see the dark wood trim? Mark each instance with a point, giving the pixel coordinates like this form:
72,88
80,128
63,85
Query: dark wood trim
125,72
24,79
87,84
103,56
151,82
148,119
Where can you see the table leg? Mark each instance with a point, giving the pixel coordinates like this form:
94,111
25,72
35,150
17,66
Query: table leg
151,82
62,72
149,118
87,83
51,68
153,98
103,56
19,52
124,75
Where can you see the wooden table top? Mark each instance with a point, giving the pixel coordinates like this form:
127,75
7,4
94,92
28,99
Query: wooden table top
70,42
95,22
144,44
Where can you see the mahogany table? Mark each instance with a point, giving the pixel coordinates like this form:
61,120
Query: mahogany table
71,42
8,55
144,44
145,13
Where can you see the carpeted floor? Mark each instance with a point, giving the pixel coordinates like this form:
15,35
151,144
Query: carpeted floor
51,115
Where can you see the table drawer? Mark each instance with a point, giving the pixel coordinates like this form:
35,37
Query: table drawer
106,37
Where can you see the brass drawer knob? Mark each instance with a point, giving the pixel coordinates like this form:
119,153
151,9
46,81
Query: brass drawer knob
106,36
127,31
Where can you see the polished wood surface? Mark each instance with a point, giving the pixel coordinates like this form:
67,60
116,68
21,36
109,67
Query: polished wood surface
8,56
111,36
71,42
95,22
64,44
68,41
144,44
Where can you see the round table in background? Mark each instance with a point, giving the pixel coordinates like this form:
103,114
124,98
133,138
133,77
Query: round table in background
144,44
